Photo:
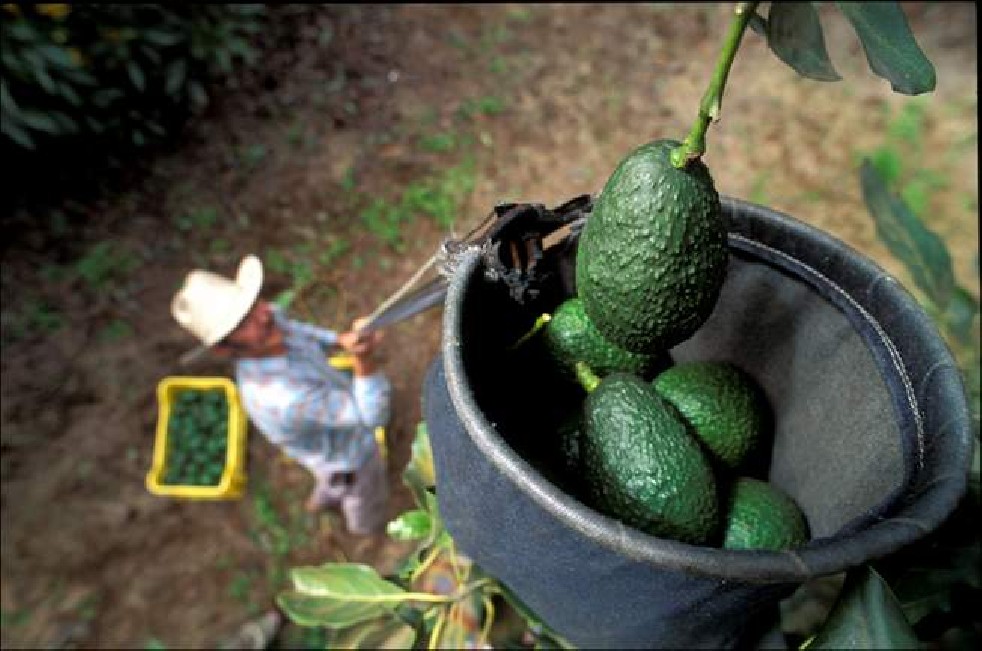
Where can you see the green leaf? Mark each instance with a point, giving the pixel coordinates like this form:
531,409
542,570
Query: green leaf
890,47
389,633
866,616
176,73
418,475
411,525
136,75
348,581
794,34
338,595
922,252
198,94
961,316
15,133
306,610
422,455
57,55
69,93
39,121
162,38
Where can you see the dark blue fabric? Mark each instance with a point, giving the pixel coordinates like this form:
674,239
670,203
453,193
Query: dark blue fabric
872,438
595,597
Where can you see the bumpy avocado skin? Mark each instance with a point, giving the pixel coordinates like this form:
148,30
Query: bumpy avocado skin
759,515
571,337
652,256
641,465
724,406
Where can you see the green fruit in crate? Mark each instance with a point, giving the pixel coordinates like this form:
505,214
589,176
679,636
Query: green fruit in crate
642,466
759,515
652,255
569,337
724,406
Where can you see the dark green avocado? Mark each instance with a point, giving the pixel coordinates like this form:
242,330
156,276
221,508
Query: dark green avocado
641,465
652,255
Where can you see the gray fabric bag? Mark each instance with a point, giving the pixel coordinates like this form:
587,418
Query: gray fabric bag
871,437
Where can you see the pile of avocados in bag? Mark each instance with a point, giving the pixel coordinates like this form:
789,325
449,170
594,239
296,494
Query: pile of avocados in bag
677,451
197,435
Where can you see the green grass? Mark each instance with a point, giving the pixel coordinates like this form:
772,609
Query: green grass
904,142
253,155
295,264
116,330
499,65
105,263
275,534
438,196
15,618
486,105
758,191
199,219
908,125
438,142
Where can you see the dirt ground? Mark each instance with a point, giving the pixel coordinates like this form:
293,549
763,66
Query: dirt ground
540,101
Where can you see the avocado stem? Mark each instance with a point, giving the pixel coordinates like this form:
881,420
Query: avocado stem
588,379
694,145
543,319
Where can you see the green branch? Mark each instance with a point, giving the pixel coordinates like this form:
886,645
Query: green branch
694,145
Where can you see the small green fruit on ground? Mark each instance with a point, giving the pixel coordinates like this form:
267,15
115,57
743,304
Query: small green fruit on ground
571,337
759,515
724,406
641,465
652,255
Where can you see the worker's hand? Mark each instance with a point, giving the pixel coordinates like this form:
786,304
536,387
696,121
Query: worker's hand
359,344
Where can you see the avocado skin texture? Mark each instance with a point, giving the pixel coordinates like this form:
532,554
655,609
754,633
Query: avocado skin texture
652,255
759,515
722,404
571,337
641,465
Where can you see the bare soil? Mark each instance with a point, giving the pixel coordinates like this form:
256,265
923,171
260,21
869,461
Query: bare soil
542,99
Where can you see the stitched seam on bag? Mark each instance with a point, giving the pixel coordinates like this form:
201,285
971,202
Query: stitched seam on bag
891,349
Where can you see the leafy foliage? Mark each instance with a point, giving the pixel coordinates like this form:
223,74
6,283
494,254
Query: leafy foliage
794,33
866,616
363,609
125,74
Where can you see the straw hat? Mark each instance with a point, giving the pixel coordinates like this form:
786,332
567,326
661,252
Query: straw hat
210,306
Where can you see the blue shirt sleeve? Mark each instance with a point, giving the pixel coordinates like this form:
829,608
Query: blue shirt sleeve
324,337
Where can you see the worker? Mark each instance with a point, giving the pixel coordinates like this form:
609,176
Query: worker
318,415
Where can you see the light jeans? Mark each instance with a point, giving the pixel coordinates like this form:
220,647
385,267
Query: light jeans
363,501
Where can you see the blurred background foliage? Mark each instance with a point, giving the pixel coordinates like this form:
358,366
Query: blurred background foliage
105,81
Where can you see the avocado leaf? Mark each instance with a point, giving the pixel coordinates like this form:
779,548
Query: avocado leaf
891,50
866,616
794,34
338,595
922,252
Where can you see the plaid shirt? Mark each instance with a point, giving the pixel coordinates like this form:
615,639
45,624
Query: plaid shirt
314,412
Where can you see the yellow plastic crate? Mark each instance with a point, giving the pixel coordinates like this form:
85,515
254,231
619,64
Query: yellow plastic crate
232,483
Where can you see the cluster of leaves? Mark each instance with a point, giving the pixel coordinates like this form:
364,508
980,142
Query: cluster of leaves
123,74
197,435
363,609
794,33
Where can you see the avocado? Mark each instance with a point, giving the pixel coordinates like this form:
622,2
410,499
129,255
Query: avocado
760,515
652,256
569,337
722,404
641,465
